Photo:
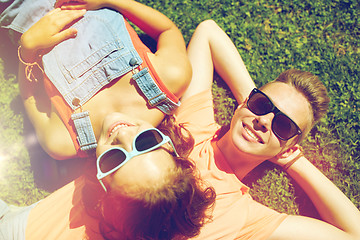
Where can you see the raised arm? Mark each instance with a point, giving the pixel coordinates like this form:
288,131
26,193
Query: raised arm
209,48
151,21
171,49
44,34
341,217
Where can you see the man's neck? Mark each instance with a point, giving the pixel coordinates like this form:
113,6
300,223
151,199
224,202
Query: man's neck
241,163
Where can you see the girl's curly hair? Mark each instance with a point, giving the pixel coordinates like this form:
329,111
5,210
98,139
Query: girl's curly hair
175,209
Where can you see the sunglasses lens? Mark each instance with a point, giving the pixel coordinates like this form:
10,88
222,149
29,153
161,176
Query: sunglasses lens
260,104
147,140
111,159
284,127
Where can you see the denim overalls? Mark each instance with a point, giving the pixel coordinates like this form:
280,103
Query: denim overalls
80,67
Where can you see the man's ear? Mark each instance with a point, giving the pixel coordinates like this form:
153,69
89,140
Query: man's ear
288,152
242,104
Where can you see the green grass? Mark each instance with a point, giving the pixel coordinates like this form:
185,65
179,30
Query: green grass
319,36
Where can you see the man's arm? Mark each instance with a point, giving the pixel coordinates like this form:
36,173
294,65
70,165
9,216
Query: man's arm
341,216
209,48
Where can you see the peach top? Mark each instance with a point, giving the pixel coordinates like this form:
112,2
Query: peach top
236,215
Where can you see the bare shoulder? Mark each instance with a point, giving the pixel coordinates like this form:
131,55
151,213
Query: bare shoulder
174,72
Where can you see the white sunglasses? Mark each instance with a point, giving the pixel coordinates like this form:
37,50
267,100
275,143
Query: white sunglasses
114,158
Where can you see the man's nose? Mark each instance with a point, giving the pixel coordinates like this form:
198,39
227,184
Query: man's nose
263,123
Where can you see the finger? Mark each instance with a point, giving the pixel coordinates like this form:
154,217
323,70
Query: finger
64,35
73,13
68,16
61,3
58,3
54,11
73,7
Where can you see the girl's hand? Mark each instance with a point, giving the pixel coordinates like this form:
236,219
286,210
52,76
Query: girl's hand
49,31
80,4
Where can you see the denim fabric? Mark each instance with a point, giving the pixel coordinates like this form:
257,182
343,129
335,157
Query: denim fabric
84,130
101,52
13,221
80,67
156,98
22,14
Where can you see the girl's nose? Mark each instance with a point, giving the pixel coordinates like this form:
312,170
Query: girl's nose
124,138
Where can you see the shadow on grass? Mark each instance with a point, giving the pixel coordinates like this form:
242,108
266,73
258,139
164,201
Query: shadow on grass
8,52
304,205
48,174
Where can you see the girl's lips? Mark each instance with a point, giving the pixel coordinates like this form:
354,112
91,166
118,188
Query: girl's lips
114,127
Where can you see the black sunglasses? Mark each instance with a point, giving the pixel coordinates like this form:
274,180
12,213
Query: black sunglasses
114,158
282,126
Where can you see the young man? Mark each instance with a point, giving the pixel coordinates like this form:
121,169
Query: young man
268,124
